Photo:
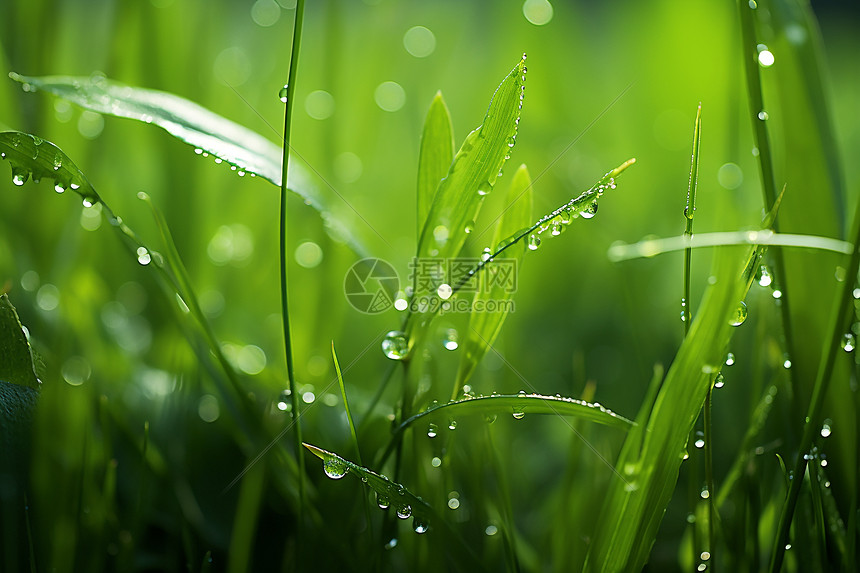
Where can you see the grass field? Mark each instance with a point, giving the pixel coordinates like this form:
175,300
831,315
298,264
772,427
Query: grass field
188,358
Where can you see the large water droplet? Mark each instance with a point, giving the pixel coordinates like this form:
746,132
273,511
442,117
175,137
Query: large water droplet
719,381
519,413
19,176
848,342
590,212
739,315
762,115
450,339
143,256
419,525
470,226
334,467
395,345
282,94
59,188
730,359
452,425
383,501
533,242
404,511
432,430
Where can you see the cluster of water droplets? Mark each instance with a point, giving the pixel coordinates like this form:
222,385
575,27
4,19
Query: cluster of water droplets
40,167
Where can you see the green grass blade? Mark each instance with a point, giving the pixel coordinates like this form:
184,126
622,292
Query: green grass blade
208,132
518,405
346,405
484,326
474,170
405,503
435,156
251,493
652,454
16,360
38,159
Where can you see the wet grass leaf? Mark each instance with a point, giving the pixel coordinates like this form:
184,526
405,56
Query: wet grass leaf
435,156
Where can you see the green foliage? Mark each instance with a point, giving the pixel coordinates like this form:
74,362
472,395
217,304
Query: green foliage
157,439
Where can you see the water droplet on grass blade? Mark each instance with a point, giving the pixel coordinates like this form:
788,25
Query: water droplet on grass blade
825,429
848,342
590,212
533,242
143,256
432,430
450,339
404,511
419,525
730,359
719,381
59,188
383,501
282,94
739,315
334,468
519,413
19,176
395,345
452,425
762,115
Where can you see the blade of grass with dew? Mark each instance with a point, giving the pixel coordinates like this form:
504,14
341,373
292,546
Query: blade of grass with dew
37,158
518,405
484,326
434,157
206,131
651,457
800,112
686,316
392,494
473,172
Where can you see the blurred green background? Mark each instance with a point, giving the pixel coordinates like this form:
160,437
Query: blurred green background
607,81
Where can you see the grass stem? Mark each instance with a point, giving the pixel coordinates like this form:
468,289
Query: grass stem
288,351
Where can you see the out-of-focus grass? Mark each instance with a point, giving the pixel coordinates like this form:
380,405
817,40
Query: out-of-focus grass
580,323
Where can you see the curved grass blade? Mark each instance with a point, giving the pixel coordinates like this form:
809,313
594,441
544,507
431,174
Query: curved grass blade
484,326
392,494
35,158
16,360
208,132
435,156
518,405
474,170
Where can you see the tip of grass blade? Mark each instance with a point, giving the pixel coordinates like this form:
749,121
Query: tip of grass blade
320,453
615,172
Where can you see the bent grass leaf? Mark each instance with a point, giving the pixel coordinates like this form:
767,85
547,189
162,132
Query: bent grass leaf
474,170
484,326
435,155
35,158
206,131
518,405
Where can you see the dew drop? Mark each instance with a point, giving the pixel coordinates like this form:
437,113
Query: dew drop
486,254
282,94
58,162
765,278
392,543
452,425
730,359
700,443
739,315
334,468
848,342
87,201
450,339
445,291
519,413
383,501
432,430
143,256
590,212
786,362
404,511
436,461
533,242
762,115
19,177
719,381
419,525
825,429
59,188
395,345
705,493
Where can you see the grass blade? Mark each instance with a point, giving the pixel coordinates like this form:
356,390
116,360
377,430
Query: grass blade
484,326
208,132
518,405
474,170
652,454
435,156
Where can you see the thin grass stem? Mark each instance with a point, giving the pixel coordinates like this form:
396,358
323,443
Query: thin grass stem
288,351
